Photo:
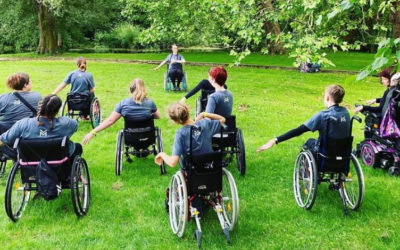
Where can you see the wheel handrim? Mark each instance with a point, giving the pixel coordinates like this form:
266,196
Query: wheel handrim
304,186
367,156
353,185
229,199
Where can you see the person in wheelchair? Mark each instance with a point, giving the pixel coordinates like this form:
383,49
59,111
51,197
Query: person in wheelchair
175,70
46,125
203,85
21,103
221,102
135,108
81,82
333,97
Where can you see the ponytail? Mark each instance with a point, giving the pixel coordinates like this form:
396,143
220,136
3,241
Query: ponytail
49,107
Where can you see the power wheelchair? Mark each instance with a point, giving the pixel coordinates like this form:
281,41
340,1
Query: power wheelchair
22,178
80,104
168,83
333,163
232,145
138,138
204,179
376,151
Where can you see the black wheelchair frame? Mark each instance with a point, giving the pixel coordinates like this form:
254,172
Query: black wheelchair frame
76,103
135,139
22,178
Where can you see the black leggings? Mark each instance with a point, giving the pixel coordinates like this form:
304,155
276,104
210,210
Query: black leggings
175,75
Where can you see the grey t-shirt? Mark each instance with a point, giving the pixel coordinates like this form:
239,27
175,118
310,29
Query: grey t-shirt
338,128
131,110
81,81
220,103
13,110
28,128
202,138
172,57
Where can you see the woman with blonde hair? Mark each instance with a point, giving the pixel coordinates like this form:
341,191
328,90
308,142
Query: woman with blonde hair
135,108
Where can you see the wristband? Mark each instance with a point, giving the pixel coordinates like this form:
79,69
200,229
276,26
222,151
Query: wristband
93,132
204,114
276,140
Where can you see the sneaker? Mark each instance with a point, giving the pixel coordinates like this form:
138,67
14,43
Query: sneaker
84,118
179,89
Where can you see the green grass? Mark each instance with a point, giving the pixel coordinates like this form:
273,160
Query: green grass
127,212
343,60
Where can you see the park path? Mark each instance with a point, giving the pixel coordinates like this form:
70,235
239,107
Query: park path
156,62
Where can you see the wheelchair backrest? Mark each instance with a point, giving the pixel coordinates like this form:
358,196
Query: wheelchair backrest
78,101
139,134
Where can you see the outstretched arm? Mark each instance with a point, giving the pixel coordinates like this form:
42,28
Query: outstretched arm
107,123
59,88
161,64
172,161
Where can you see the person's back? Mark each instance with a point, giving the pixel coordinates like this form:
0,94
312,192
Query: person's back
131,110
220,103
81,81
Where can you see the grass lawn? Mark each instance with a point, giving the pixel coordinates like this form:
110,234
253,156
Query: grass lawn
127,212
343,60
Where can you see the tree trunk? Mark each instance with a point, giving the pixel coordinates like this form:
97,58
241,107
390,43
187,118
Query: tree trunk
273,28
395,19
47,29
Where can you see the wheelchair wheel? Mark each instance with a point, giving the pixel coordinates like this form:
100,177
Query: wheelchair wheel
305,180
369,157
198,106
241,154
17,193
230,199
3,164
64,109
178,204
166,83
160,148
95,112
353,185
185,85
80,186
119,152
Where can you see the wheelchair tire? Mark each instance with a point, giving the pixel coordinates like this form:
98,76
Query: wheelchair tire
230,199
95,112
305,180
160,148
178,204
369,157
241,153
17,195
80,186
198,106
166,83
353,186
119,152
64,109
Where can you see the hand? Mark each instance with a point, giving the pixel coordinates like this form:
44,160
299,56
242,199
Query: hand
158,159
266,146
87,138
370,102
357,109
156,68
182,101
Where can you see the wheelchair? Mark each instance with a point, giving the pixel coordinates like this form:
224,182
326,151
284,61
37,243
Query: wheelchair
3,158
77,104
232,145
333,163
22,178
201,101
375,151
203,179
138,138
168,86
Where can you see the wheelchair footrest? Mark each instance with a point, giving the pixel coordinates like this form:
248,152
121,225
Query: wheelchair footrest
198,235
225,231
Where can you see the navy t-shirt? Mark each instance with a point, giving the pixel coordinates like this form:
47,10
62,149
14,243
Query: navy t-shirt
220,103
131,110
81,81
338,128
28,128
13,110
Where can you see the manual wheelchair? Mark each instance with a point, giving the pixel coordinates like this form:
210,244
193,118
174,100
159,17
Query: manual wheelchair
202,178
138,138
168,86
333,163
376,151
22,178
232,144
79,104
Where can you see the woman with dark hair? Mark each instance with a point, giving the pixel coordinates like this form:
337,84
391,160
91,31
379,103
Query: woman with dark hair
175,62
20,103
45,125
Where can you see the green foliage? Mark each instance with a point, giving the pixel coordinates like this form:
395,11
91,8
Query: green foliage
124,35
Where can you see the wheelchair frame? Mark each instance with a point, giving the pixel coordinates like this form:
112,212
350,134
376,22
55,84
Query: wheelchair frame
224,200
18,188
168,83
94,110
122,148
307,175
201,101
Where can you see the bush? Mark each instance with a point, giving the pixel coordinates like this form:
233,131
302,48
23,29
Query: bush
124,36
